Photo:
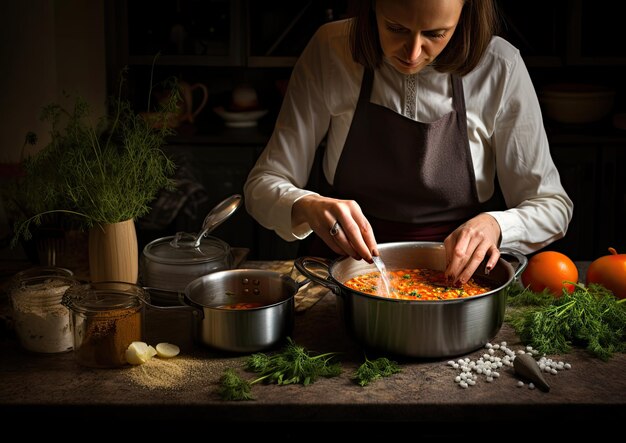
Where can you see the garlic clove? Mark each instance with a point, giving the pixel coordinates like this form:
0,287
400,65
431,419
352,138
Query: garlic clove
151,352
167,350
137,353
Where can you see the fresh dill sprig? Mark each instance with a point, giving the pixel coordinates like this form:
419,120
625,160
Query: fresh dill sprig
590,317
371,370
292,365
233,387
524,297
520,300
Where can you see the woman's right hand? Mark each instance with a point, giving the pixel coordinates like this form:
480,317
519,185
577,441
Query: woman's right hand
354,236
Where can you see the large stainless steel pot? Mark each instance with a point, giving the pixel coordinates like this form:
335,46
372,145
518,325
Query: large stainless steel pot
428,329
241,330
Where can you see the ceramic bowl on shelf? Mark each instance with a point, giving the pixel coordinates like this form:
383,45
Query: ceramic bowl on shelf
240,119
576,102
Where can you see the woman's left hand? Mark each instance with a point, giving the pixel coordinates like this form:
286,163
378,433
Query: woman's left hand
468,245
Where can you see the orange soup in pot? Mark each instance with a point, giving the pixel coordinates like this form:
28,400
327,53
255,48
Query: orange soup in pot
241,305
418,284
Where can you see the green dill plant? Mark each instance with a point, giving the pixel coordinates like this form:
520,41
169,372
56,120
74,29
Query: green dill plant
292,365
371,370
590,317
233,387
91,174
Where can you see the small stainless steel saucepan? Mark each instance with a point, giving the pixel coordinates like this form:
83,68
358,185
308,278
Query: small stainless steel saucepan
240,330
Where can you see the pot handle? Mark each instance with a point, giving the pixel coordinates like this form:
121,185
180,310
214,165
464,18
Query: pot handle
302,263
522,260
182,307
300,283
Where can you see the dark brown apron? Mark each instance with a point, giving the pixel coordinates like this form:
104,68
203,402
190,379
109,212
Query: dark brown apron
413,180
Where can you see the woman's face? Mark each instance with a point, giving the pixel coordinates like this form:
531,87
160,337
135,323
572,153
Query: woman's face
414,32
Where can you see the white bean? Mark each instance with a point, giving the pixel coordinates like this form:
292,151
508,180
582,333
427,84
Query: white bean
488,363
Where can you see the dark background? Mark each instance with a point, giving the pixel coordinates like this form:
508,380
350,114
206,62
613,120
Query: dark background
226,43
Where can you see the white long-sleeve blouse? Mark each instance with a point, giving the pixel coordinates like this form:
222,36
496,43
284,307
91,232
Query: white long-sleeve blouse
505,130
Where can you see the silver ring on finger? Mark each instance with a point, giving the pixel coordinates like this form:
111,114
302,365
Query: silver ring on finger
335,229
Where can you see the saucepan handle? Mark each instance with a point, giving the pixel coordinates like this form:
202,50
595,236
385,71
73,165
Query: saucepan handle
303,265
297,278
181,299
300,283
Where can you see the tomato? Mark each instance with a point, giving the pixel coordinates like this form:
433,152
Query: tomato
610,272
550,270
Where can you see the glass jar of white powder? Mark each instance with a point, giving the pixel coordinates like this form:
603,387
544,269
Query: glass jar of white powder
41,322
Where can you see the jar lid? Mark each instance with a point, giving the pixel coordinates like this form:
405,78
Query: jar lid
42,271
42,290
180,249
103,297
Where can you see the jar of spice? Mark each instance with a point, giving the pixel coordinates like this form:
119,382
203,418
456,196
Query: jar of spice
41,322
106,318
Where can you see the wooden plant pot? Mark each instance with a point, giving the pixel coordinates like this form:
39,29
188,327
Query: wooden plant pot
113,252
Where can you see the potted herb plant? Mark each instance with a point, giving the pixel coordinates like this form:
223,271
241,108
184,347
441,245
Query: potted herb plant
99,176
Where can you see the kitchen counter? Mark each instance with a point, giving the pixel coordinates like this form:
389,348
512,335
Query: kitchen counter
423,397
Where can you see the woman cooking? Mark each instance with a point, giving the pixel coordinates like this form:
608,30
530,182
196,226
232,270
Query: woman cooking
426,113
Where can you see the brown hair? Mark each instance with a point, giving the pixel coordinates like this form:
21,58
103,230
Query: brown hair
477,24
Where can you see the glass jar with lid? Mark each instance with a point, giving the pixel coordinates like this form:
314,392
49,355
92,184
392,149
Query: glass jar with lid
106,318
41,321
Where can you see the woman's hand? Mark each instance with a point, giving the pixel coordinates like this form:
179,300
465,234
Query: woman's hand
353,235
469,244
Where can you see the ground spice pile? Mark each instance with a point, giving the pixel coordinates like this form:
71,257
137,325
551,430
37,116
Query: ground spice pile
158,373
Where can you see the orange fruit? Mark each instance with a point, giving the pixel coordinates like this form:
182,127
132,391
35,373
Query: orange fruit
550,270
610,272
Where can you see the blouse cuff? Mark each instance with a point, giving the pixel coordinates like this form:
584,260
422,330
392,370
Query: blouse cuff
510,229
286,230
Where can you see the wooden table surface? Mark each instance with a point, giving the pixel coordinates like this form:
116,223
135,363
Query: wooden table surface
423,397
